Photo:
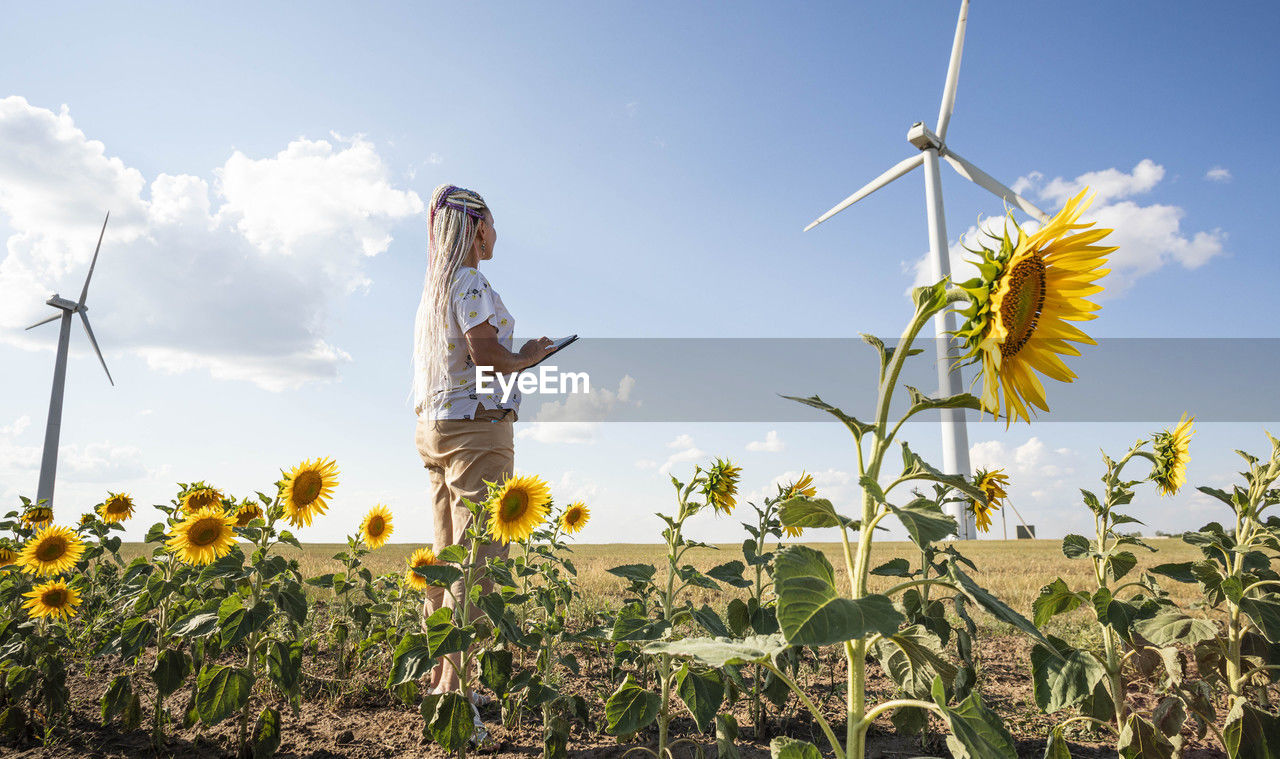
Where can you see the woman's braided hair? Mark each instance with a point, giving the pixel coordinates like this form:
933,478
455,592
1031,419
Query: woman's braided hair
455,217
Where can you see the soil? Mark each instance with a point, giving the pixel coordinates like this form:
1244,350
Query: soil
357,717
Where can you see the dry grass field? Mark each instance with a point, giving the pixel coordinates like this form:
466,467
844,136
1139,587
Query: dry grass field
1014,570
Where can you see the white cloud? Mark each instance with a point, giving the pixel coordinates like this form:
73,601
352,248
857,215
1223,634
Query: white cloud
1148,236
686,451
573,487
577,418
15,429
770,444
1218,174
270,247
646,464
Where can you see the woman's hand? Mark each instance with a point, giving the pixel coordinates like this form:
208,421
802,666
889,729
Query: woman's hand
535,350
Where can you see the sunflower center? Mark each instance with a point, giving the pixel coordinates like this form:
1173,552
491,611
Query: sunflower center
55,598
513,505
1020,309
205,532
376,526
51,550
306,487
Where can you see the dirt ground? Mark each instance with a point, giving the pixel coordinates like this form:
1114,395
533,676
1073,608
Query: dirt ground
359,718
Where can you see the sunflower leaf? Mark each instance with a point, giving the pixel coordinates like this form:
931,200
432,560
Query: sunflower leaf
810,610
856,427
630,708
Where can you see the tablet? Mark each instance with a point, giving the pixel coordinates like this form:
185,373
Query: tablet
556,347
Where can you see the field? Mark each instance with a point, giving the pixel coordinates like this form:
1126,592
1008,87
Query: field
357,717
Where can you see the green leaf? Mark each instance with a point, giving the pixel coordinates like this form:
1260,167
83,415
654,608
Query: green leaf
730,573
237,622
856,427
1055,598
411,660
197,624
293,603
994,606
633,623
894,568
322,581
1179,571
641,573
701,692
1251,733
220,692
135,635
1120,562
1063,677
452,554
1265,613
495,670
439,575
1056,746
925,521
812,613
116,698
630,708
726,735
738,616
707,618
913,657
1141,740
916,468
976,731
921,402
802,511
1075,546
783,747
1171,627
266,734
451,726
722,652
171,669
284,665
443,636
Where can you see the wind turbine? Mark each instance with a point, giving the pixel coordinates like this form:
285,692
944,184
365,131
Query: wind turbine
49,462
932,145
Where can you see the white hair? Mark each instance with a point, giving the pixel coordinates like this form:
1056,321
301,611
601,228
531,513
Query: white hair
453,222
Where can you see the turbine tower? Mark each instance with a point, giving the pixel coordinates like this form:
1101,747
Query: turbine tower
49,462
932,146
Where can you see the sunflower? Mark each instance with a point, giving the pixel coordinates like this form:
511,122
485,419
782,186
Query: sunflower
1026,293
8,556
117,508
201,498
993,484
203,537
1171,456
575,517
803,486
306,488
376,527
52,599
423,557
247,512
721,486
51,551
37,516
520,504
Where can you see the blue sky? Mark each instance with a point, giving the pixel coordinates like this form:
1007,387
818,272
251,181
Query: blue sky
650,167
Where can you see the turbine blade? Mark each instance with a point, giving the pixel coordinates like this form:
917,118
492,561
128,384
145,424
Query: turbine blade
45,321
85,320
875,184
986,181
953,74
85,292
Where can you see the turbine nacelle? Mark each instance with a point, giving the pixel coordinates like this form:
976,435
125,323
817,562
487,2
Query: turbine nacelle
920,136
67,305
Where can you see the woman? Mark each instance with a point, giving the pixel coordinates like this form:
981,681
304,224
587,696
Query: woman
465,437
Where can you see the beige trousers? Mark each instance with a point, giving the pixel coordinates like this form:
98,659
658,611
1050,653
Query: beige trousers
462,456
